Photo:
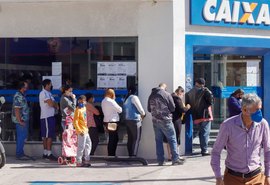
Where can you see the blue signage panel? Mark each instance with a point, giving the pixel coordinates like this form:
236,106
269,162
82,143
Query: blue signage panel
225,92
252,14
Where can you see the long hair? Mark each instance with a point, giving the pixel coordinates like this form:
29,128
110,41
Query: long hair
65,88
131,91
238,91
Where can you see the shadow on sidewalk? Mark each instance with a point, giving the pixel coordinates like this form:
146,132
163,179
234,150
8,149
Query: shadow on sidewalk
118,182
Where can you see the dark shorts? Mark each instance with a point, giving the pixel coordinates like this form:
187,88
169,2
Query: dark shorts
47,126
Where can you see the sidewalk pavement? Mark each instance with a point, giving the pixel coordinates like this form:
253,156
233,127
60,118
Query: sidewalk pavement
196,171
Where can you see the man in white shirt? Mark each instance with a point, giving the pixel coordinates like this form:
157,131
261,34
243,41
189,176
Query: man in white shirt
47,119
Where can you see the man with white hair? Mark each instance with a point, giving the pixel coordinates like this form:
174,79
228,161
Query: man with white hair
243,135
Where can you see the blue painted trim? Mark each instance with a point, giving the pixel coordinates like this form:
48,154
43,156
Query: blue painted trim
32,95
226,92
233,42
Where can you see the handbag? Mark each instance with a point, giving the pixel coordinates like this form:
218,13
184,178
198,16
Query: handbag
112,126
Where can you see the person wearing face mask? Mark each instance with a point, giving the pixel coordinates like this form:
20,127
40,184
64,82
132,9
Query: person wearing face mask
67,104
243,135
48,106
234,102
200,99
84,141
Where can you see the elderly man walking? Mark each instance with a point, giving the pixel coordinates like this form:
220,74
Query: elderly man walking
243,135
161,106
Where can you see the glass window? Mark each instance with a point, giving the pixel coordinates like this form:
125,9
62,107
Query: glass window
31,59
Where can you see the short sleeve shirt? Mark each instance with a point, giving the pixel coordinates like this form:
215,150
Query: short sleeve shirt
46,111
19,101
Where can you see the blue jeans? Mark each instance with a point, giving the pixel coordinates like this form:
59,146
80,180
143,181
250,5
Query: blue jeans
203,130
166,128
22,133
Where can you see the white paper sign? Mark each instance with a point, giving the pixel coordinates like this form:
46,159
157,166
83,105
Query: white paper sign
102,82
131,68
102,68
56,81
121,81
112,83
112,68
56,68
252,73
121,68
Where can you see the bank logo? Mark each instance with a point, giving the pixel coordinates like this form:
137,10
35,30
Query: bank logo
233,13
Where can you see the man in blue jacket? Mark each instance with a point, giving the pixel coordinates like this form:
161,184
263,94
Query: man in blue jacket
161,106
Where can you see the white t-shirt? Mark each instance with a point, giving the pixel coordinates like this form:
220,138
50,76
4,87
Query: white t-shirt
46,110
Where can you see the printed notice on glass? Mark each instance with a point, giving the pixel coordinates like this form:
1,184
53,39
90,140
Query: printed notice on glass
112,68
122,68
112,83
131,68
102,82
56,68
253,73
102,68
121,82
56,81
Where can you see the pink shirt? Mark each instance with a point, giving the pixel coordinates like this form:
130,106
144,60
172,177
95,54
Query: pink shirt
90,112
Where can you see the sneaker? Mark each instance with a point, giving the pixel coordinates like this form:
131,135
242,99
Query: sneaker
44,156
206,153
163,163
178,162
182,159
52,157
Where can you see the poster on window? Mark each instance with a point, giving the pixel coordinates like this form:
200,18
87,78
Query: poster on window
102,68
131,68
117,68
56,68
56,81
121,82
253,73
102,82
121,68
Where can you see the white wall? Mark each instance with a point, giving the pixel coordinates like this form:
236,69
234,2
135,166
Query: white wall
103,18
179,72
157,59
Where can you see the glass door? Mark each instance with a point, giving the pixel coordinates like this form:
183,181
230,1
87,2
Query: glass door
224,74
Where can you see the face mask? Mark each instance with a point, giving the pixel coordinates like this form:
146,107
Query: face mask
51,87
257,116
198,88
81,105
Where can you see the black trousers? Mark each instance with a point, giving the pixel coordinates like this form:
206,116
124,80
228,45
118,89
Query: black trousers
112,144
93,132
134,129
